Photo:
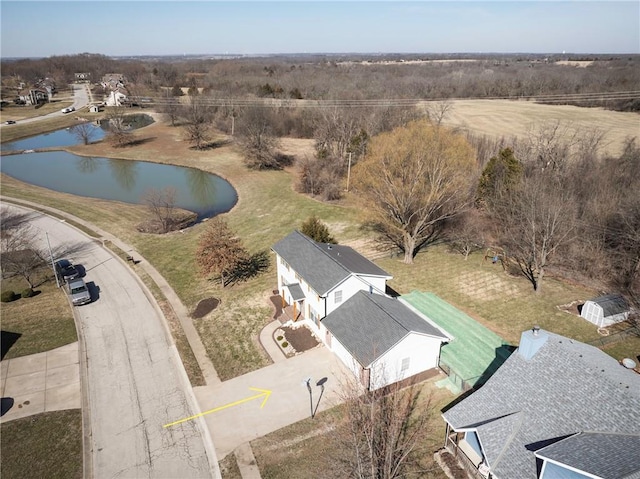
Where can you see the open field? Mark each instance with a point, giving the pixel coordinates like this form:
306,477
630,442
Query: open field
505,119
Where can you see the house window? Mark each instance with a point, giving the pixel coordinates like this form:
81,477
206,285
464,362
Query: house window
405,364
337,297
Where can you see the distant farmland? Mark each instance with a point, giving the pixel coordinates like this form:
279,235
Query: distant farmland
505,118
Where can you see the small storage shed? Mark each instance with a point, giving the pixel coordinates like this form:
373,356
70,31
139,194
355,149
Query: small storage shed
605,310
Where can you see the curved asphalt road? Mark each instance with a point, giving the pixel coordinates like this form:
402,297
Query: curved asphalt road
136,382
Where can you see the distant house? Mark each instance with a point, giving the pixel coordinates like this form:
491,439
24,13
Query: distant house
82,77
340,295
605,310
34,96
557,408
116,98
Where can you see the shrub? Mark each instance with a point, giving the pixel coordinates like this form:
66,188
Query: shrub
279,338
8,296
285,344
28,293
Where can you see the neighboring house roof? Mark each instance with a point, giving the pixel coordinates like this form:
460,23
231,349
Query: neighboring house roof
368,325
475,352
611,304
551,388
610,456
324,266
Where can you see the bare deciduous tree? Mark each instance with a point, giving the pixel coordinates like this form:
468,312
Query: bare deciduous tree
255,135
119,132
198,116
85,132
161,204
536,220
437,111
383,432
20,254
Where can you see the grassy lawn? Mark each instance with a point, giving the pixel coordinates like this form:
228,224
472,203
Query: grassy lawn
505,304
267,210
44,321
46,445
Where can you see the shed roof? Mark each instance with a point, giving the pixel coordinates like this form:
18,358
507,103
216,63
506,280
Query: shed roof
565,387
324,266
611,304
475,352
368,325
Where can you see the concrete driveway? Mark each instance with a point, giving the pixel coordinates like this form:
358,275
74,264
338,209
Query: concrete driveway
288,402
42,382
135,380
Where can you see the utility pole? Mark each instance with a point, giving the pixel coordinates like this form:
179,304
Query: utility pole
52,263
349,172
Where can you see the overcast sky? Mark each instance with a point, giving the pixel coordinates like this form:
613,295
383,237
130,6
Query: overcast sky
115,28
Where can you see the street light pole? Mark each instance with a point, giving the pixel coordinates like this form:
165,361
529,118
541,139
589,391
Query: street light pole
310,396
55,273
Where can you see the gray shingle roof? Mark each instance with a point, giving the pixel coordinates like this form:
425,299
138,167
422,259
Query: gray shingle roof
321,265
611,304
610,456
565,388
368,325
296,291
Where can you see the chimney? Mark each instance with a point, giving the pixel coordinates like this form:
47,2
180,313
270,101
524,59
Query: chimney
531,341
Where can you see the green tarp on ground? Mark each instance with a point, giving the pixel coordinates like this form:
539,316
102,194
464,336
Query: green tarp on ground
475,352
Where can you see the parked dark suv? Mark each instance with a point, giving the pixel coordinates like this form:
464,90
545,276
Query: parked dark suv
65,271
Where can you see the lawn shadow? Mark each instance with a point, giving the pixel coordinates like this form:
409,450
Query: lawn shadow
141,141
6,403
250,268
8,339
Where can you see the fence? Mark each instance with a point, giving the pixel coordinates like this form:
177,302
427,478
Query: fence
616,337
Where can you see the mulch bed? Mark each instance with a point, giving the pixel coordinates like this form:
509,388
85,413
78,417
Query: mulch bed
205,307
300,338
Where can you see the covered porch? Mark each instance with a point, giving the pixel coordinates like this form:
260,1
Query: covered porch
292,298
465,454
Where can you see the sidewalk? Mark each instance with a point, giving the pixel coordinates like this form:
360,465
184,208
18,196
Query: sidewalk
42,382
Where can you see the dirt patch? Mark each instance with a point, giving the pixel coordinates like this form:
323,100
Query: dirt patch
205,307
574,307
300,339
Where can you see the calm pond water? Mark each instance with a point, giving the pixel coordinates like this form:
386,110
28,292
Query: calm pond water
67,137
111,179
53,139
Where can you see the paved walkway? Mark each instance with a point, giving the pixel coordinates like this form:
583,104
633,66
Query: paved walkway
42,382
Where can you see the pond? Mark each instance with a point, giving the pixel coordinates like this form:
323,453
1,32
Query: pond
121,180
67,137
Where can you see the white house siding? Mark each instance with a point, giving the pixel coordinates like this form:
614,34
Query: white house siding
345,356
349,287
422,351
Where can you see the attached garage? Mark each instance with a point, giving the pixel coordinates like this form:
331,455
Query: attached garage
381,339
605,310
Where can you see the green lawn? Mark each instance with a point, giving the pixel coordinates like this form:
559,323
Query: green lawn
46,445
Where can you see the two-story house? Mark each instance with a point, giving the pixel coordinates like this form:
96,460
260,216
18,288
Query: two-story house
341,296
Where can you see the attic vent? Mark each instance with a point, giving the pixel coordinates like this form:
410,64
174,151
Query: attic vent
329,246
